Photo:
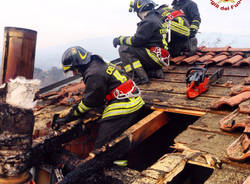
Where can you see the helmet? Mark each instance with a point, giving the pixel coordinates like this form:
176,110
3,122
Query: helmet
141,5
75,57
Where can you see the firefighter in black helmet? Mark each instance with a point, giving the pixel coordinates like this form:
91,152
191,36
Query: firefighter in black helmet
144,54
104,85
192,14
177,28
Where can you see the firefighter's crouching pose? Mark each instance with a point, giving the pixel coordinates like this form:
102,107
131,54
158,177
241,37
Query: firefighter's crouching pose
104,85
144,54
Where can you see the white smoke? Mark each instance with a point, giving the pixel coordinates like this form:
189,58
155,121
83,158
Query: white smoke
21,92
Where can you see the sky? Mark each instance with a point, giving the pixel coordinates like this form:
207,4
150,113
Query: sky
63,21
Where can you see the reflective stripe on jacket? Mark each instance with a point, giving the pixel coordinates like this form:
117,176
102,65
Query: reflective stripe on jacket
101,78
178,25
191,12
150,33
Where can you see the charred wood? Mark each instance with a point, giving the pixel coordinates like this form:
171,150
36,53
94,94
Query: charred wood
16,126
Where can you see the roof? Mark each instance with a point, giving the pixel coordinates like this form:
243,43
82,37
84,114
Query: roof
226,101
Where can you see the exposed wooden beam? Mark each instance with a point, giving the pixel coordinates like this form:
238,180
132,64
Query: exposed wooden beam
104,156
180,111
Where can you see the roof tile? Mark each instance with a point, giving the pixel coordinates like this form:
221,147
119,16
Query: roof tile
231,61
205,58
237,89
245,61
191,59
239,149
247,81
224,53
177,59
238,53
234,120
239,49
235,100
245,107
199,53
219,58
211,53
215,49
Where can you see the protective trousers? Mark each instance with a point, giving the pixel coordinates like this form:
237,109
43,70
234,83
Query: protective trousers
111,128
134,58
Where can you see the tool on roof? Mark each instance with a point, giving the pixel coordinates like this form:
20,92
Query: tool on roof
198,81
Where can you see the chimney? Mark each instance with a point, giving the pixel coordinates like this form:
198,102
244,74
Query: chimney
18,53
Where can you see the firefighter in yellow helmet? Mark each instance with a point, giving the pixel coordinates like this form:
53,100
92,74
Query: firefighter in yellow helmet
105,85
145,53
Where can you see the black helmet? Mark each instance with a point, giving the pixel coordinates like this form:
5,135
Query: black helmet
141,5
75,57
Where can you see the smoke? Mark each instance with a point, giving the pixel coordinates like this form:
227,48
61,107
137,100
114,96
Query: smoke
21,92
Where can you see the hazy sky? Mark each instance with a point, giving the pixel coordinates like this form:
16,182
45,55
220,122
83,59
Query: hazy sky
63,21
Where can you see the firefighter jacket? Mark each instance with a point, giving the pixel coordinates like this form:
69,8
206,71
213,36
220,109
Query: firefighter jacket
150,33
100,79
175,20
191,12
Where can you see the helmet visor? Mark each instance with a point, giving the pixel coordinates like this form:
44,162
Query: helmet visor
66,68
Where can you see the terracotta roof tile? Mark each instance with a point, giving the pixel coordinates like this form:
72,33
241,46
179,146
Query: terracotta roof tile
235,100
239,49
234,120
208,62
201,47
245,107
238,53
245,61
247,181
199,53
224,53
215,49
191,59
247,81
231,61
211,53
177,59
239,149
219,58
205,58
237,89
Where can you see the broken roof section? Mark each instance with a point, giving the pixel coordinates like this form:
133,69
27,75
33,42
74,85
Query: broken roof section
169,95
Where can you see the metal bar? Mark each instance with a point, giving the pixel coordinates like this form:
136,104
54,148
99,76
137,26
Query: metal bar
57,84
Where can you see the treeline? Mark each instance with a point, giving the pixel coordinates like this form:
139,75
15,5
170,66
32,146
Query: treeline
49,76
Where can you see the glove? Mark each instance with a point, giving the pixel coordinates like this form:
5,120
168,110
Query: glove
58,122
193,32
116,42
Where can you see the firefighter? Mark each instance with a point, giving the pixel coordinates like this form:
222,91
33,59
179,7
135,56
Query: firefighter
192,14
177,28
144,54
105,85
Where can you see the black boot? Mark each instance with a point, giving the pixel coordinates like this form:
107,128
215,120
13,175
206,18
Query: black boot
158,74
140,76
192,46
